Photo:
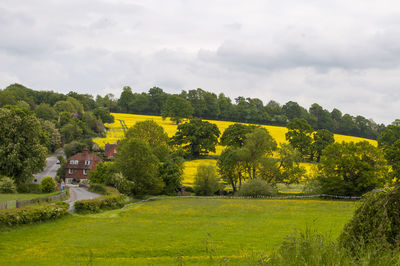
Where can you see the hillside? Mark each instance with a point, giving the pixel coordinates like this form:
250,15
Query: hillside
124,121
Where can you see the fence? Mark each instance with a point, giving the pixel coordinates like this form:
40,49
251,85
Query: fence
22,203
3,205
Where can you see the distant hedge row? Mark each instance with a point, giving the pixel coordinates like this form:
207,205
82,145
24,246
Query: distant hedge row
32,214
102,203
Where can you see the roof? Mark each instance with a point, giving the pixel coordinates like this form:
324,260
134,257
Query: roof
109,148
82,157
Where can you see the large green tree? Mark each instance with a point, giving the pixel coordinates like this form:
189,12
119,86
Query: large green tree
235,135
322,138
352,168
299,135
21,152
197,137
177,108
136,161
230,166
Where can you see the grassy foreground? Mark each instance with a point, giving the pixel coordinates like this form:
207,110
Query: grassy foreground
171,231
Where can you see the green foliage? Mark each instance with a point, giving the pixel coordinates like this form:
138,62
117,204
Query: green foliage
138,164
257,187
7,185
45,111
32,214
177,108
64,106
352,168
99,204
235,135
230,167
21,152
103,173
206,182
299,135
392,154
153,134
29,188
48,184
98,188
103,114
258,144
53,136
73,148
197,137
120,182
71,131
322,139
375,223
171,173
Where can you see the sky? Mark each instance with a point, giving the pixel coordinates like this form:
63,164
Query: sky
340,54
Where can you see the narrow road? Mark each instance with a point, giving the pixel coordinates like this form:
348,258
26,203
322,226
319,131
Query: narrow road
79,193
50,170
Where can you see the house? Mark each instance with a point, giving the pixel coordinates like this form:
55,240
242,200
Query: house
78,166
110,150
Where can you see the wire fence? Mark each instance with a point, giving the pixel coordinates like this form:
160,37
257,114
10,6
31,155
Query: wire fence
22,203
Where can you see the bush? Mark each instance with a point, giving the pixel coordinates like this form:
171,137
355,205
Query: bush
29,188
257,187
98,188
48,184
102,203
32,214
7,185
206,182
375,223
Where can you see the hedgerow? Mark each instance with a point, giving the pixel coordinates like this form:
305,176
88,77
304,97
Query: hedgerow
102,203
32,214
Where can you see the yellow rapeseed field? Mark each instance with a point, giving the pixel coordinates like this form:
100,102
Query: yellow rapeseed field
116,132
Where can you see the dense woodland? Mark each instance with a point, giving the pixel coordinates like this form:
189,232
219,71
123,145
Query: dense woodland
198,103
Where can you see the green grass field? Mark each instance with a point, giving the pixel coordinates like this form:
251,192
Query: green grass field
169,231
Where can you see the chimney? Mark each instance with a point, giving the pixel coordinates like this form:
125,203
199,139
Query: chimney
85,150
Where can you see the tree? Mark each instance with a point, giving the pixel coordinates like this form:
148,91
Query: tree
45,111
299,135
53,135
136,161
71,131
177,108
153,134
352,168
322,138
230,167
392,155
171,172
198,137
258,144
21,153
206,182
64,106
103,173
125,99
103,114
235,135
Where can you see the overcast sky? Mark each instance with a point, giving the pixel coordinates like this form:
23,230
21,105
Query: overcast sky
343,54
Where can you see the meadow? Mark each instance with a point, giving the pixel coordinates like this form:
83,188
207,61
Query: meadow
124,121
172,231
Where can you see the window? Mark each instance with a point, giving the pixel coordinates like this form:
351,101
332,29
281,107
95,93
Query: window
87,162
84,171
73,162
70,171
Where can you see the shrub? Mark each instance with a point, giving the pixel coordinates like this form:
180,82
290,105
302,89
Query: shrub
7,185
375,223
98,188
29,188
48,184
32,214
102,203
257,187
206,182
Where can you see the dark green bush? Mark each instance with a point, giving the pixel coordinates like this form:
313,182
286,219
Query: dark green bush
375,223
29,188
32,214
257,187
102,203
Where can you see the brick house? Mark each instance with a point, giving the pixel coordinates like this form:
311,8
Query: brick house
78,166
110,150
